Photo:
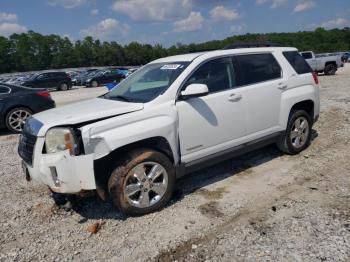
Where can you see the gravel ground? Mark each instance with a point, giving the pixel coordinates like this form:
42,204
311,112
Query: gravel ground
262,206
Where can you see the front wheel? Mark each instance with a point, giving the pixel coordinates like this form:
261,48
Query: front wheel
94,84
298,133
143,183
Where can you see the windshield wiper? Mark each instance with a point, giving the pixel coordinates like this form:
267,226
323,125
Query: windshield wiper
120,97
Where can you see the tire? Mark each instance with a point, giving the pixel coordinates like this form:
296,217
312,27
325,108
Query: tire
134,175
16,118
59,199
330,69
288,142
63,87
94,83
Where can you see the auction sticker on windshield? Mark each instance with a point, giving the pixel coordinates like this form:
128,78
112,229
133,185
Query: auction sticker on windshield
170,67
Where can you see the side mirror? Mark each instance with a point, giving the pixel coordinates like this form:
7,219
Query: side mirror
194,90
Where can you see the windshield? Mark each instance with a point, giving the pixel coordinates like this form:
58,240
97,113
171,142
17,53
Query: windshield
148,82
33,76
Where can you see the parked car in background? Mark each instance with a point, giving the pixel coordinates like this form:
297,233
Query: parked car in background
103,77
323,64
49,80
18,103
132,70
171,117
346,57
80,78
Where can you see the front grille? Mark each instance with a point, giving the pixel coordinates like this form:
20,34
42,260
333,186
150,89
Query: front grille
26,147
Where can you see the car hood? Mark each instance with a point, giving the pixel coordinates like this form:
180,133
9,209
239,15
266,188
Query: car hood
82,112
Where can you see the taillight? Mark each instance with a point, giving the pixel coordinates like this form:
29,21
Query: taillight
315,76
44,93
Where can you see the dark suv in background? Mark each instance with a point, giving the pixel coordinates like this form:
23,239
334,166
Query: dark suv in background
49,80
104,77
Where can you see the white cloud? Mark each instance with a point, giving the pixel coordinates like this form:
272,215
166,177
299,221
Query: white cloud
7,29
7,17
278,3
304,6
238,29
335,23
193,22
274,3
106,29
95,11
220,13
68,4
153,10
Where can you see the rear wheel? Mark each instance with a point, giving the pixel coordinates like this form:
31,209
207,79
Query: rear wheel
143,183
298,134
16,118
63,87
330,69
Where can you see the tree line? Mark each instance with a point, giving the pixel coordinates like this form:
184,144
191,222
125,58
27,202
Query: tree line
33,51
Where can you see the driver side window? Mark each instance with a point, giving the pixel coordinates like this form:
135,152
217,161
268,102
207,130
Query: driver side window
217,74
42,76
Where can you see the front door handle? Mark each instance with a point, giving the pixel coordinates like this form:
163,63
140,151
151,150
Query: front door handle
234,97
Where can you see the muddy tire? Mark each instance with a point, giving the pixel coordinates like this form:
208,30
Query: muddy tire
142,183
298,133
330,69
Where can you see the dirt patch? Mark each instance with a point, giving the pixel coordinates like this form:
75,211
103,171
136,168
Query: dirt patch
210,210
211,194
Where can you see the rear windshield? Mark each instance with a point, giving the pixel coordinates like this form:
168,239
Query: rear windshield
297,62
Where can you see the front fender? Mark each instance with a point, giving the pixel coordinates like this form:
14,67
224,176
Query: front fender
101,142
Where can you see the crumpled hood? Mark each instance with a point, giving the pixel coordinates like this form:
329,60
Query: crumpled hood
84,111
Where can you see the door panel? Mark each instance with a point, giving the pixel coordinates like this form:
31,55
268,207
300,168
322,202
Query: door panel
260,79
210,123
262,103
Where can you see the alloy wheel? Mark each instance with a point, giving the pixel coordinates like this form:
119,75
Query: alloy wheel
146,184
300,132
17,119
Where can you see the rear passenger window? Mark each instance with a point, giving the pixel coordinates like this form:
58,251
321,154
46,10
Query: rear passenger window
256,68
297,62
217,74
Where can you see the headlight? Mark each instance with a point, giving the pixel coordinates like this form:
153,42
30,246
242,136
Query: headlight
61,139
88,80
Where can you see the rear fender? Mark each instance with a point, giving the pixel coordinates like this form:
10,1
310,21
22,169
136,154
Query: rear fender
293,96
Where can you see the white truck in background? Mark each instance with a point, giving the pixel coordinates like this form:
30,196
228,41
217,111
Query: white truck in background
325,64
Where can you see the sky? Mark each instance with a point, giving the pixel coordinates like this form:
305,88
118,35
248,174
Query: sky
168,22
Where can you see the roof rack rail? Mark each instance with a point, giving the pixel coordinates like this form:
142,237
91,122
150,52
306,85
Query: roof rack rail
251,45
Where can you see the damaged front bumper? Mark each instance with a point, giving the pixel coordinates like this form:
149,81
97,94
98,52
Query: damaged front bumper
62,172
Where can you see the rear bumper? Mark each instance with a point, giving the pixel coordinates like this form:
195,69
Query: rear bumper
62,172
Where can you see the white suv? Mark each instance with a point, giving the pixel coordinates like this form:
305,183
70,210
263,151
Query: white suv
169,118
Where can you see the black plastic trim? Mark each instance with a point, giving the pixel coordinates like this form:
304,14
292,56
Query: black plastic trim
185,168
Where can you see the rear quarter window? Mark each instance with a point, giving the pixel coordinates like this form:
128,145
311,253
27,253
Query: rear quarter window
297,62
255,68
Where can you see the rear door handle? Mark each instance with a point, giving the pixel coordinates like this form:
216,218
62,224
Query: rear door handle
281,86
234,97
